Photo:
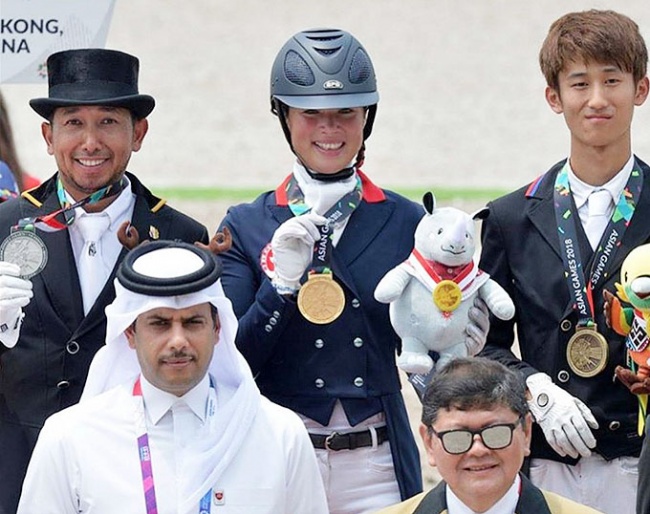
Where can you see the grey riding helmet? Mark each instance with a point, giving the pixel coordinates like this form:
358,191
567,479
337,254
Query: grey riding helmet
323,69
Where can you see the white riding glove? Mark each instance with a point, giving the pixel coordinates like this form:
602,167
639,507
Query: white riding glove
477,327
293,250
565,420
15,293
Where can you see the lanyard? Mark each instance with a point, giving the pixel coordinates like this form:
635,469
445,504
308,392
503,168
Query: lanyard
49,223
580,290
338,212
144,451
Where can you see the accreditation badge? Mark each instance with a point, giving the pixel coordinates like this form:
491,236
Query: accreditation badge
25,249
587,352
321,300
447,295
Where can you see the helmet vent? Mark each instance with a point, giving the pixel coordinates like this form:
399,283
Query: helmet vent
297,70
324,38
360,67
327,51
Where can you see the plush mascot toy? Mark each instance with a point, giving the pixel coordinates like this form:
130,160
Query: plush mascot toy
431,292
632,322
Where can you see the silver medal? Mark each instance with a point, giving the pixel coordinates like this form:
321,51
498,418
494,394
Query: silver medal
25,249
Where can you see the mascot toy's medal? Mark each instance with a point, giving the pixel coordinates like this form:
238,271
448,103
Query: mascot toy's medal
587,352
27,250
447,295
321,300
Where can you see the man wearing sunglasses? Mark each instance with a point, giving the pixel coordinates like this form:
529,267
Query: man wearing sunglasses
476,430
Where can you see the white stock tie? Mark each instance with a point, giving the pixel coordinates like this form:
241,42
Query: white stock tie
599,203
92,271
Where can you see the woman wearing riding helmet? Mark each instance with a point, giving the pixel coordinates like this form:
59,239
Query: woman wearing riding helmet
302,270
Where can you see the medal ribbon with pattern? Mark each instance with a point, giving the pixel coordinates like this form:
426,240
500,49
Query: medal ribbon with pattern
321,300
26,249
144,452
581,291
50,223
337,213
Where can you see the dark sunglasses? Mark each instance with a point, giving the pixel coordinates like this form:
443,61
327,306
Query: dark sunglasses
494,437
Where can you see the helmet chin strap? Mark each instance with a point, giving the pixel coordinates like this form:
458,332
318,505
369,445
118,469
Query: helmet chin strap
328,177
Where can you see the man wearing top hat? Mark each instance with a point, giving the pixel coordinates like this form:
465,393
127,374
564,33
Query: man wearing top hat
170,384
59,248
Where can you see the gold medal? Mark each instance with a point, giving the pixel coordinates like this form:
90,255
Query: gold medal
447,295
321,300
587,352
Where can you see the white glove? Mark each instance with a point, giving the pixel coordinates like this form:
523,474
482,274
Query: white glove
15,293
293,250
565,420
477,327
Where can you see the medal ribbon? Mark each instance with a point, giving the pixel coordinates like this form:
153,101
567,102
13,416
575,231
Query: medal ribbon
144,452
464,277
337,213
49,223
582,291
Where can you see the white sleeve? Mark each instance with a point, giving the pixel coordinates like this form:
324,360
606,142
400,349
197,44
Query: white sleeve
52,477
305,491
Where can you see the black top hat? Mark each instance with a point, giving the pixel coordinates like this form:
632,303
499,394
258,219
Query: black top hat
93,77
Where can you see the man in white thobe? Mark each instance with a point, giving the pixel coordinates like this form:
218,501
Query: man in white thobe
171,420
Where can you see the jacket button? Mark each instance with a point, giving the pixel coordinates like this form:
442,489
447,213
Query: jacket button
358,342
72,347
276,314
268,328
355,303
63,384
358,382
320,383
615,425
565,325
272,321
319,343
563,376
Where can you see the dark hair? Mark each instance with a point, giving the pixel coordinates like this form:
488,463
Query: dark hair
8,152
605,37
473,383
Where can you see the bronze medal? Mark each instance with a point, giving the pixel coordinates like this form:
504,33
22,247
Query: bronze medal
321,300
25,249
587,352
447,295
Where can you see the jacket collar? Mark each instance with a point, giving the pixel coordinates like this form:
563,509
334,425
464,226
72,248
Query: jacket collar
531,500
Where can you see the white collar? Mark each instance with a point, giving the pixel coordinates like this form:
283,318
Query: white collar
581,190
157,402
506,505
115,210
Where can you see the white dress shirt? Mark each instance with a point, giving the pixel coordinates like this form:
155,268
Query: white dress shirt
581,190
506,505
86,460
119,211
171,421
